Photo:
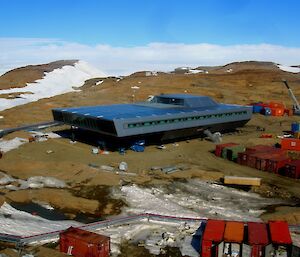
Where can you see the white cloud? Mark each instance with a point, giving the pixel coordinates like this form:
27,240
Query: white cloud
112,60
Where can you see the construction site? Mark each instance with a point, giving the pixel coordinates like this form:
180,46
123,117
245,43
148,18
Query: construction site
192,162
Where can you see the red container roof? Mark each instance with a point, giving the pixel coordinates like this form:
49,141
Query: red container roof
234,232
279,158
214,230
260,148
279,232
257,233
85,236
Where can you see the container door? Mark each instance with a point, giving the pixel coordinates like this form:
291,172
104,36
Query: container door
293,172
258,164
220,249
246,250
269,251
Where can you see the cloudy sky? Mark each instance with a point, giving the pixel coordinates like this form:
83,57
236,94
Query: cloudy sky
120,37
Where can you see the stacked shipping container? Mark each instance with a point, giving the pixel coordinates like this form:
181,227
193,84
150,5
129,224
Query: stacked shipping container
264,157
213,235
292,169
292,144
272,108
252,239
233,238
257,238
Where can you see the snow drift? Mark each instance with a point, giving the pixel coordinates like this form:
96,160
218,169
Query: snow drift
56,82
289,68
21,223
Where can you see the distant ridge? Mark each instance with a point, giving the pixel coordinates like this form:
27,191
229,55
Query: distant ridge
18,77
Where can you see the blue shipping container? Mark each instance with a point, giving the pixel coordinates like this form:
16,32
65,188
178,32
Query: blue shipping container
257,108
295,127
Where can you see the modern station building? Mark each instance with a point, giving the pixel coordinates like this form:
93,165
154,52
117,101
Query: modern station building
165,117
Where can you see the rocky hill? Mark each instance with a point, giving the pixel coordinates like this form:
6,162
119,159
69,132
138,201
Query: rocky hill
20,76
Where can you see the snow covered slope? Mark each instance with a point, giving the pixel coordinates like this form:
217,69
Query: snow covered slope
21,223
289,68
57,82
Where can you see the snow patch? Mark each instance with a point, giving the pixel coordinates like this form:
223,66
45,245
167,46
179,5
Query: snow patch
191,71
45,135
44,205
32,182
99,82
8,145
56,82
15,222
195,198
154,235
289,68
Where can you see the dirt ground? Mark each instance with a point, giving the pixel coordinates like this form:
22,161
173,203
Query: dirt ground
81,169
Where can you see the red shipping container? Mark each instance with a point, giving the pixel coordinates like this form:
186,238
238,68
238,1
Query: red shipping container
257,251
257,233
279,233
292,169
261,148
213,233
253,159
290,144
214,230
289,112
82,243
242,158
257,238
262,161
220,147
277,163
206,248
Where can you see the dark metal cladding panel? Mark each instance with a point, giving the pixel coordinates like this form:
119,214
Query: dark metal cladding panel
85,121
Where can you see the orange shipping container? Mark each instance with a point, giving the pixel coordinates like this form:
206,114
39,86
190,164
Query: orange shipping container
277,111
234,232
276,105
290,144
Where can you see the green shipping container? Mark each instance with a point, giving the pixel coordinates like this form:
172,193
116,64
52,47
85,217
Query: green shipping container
231,153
